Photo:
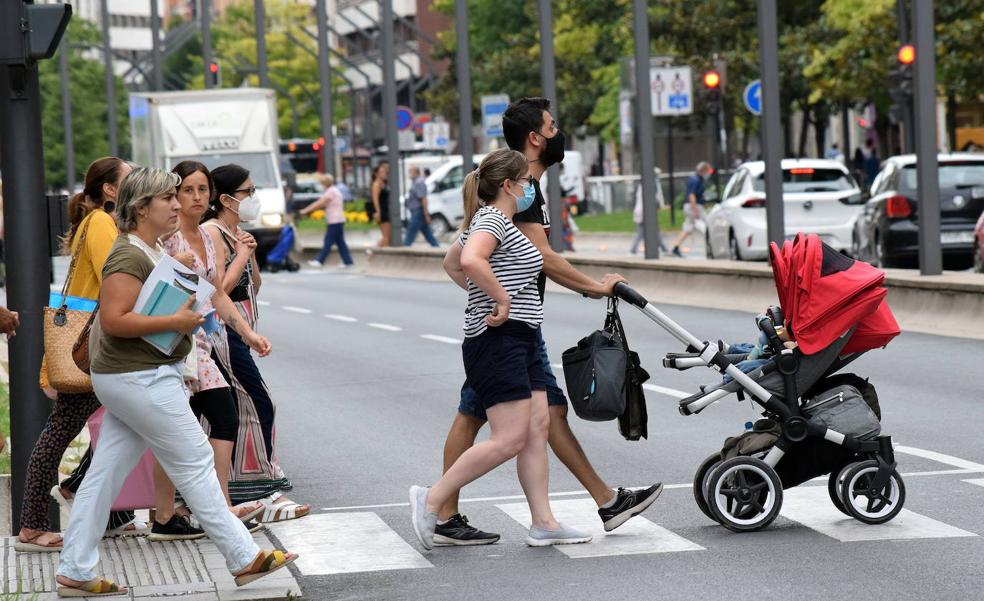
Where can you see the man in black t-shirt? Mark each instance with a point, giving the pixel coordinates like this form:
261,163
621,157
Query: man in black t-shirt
529,128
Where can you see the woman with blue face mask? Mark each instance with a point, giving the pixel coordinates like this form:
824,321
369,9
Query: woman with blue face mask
499,267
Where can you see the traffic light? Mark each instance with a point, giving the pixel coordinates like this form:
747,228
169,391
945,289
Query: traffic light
712,90
906,56
33,31
214,75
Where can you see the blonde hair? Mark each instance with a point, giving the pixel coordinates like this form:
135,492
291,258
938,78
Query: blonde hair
327,180
137,190
483,183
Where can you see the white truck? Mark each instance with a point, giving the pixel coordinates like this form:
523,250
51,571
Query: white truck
216,127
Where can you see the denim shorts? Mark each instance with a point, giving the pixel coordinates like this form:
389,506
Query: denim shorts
471,404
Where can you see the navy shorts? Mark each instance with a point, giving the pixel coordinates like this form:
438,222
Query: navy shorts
503,364
472,405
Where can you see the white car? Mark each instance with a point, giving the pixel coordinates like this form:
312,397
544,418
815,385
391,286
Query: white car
819,197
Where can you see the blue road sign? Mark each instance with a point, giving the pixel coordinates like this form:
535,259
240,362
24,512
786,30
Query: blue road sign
492,109
341,144
679,102
753,97
404,118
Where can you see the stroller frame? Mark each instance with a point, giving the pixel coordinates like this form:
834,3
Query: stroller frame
794,425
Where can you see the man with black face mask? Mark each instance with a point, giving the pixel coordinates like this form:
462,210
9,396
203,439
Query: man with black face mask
529,127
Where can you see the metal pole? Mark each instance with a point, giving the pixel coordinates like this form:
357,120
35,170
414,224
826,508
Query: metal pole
324,74
772,147
548,75
155,41
66,94
261,51
206,19
669,167
389,117
28,277
110,80
927,174
466,142
846,135
644,131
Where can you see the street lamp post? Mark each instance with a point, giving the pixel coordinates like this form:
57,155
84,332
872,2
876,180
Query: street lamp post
206,21
110,80
463,70
324,74
155,45
771,129
66,94
548,75
389,117
644,118
259,8
927,168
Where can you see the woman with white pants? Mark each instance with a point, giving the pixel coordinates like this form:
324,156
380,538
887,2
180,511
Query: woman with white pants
147,406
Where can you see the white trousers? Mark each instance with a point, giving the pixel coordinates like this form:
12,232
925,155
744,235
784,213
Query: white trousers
149,409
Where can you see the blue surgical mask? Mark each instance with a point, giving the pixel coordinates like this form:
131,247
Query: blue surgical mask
526,200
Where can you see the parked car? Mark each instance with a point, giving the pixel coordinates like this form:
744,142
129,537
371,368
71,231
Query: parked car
979,245
888,232
819,197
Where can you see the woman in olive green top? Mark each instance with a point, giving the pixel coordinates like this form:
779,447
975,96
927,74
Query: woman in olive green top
147,406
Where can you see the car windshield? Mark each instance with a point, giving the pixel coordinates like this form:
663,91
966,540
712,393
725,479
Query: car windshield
259,165
952,175
809,179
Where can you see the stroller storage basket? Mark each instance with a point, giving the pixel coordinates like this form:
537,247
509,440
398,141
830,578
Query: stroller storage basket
843,410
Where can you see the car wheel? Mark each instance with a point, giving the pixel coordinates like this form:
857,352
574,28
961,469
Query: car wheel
880,257
855,247
734,252
439,225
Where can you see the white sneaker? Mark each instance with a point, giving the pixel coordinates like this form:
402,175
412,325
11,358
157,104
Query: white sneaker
541,537
314,264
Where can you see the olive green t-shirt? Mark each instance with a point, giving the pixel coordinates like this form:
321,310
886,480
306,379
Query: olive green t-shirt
112,355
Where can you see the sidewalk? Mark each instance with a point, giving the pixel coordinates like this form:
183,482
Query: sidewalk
187,570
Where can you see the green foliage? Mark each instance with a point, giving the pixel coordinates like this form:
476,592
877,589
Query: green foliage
88,100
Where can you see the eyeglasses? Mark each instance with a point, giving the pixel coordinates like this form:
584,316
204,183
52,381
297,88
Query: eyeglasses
251,191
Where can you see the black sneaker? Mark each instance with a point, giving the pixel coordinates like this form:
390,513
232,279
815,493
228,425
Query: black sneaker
177,528
628,503
457,531
676,252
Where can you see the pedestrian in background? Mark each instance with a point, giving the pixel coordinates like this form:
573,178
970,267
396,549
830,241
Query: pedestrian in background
693,206
333,203
91,236
345,190
499,267
143,391
420,218
379,201
637,219
256,472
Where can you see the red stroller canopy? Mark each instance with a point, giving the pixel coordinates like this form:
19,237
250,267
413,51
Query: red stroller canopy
824,293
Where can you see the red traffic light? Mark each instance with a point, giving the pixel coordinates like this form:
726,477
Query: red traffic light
321,140
213,67
316,147
907,54
712,79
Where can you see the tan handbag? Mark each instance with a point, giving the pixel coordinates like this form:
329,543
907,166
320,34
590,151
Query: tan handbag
62,330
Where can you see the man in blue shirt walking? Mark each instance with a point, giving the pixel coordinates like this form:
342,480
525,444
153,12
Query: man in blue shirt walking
693,206
417,206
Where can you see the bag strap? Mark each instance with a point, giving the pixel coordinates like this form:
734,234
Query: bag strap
75,258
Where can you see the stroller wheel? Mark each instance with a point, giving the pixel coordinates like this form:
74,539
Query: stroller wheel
701,481
865,504
834,484
744,494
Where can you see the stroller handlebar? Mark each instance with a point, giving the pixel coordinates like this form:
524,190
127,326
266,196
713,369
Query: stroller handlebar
628,294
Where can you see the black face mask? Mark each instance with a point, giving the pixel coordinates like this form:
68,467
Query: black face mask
554,152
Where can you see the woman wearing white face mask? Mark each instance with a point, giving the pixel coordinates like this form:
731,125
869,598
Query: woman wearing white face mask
256,474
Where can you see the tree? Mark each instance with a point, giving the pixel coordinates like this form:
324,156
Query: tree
88,100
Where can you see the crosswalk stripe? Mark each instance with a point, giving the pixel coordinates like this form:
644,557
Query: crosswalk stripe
977,481
343,543
811,507
635,537
941,458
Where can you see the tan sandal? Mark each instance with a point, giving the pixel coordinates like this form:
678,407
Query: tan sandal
97,587
283,511
34,544
266,563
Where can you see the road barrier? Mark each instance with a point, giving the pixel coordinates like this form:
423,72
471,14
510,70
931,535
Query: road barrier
948,305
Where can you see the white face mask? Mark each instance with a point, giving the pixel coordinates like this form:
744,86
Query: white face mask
249,208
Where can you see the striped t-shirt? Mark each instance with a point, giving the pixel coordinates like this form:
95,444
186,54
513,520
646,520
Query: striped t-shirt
515,262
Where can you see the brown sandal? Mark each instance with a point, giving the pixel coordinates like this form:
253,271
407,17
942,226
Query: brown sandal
97,587
266,563
33,544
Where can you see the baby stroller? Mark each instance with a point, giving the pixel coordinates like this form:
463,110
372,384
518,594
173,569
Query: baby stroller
835,309
279,256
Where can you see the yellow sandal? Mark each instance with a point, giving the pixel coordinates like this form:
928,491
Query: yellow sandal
266,563
97,587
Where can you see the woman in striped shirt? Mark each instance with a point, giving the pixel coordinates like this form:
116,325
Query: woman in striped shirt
499,267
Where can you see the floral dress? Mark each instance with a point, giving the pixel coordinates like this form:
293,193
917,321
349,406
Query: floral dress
209,376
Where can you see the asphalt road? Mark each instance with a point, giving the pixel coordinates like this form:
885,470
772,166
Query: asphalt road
366,372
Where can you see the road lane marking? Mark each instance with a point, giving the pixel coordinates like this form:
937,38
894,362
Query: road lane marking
300,310
347,543
385,326
941,458
671,392
263,303
344,318
637,536
443,339
811,507
977,481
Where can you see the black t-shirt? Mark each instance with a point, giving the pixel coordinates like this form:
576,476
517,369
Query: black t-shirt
537,213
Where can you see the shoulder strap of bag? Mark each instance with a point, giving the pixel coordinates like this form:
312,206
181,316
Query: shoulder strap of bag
75,257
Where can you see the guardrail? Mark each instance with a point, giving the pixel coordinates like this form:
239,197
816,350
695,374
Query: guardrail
614,193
